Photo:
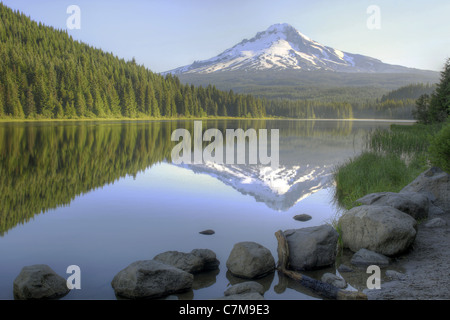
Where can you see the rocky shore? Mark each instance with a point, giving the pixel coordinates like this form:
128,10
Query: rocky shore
405,234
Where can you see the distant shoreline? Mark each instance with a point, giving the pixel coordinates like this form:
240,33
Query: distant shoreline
192,119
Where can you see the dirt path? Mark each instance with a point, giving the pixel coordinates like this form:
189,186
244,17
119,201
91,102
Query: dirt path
426,267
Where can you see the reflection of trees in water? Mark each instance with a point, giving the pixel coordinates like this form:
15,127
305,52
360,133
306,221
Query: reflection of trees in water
46,166
43,166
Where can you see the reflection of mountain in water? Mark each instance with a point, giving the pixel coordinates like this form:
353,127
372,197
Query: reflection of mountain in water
46,165
279,189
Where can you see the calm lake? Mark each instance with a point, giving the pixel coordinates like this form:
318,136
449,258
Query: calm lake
102,195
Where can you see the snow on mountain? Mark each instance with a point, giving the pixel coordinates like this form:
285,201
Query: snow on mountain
279,189
282,47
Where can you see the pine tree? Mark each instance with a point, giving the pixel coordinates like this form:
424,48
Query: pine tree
99,106
440,100
113,101
2,102
80,104
129,107
30,106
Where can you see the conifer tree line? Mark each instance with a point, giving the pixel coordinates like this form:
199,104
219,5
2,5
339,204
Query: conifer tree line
44,73
435,107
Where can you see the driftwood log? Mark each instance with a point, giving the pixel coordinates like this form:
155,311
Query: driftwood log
323,289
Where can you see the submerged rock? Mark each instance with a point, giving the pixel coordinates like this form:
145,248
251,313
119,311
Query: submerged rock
302,217
364,258
250,260
150,279
39,281
344,268
243,296
207,232
413,203
312,248
382,229
245,287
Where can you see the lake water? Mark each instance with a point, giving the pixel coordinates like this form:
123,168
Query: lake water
102,195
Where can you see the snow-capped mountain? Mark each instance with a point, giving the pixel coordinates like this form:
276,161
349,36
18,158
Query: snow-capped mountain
280,189
282,47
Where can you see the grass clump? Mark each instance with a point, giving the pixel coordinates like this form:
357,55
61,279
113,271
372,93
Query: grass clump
368,173
391,159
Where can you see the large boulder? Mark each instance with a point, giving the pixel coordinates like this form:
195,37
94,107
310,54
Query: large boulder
312,248
197,260
250,260
150,279
434,183
436,223
39,281
382,229
413,203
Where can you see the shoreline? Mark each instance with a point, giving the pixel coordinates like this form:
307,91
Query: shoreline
425,267
194,119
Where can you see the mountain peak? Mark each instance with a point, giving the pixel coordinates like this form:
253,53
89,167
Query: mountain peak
280,27
283,47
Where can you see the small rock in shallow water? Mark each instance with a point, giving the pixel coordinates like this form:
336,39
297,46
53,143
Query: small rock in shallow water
343,268
207,232
245,287
250,260
334,280
302,217
150,279
243,296
39,281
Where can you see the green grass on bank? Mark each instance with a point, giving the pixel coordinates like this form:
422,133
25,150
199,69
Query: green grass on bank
391,159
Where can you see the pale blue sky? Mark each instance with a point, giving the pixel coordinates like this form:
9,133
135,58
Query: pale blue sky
167,34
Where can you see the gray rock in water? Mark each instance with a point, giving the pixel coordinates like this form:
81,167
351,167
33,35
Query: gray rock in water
382,229
150,279
312,248
434,183
207,232
364,258
184,261
197,260
243,296
302,217
39,281
344,268
208,257
436,223
395,275
250,260
334,280
413,203
245,287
